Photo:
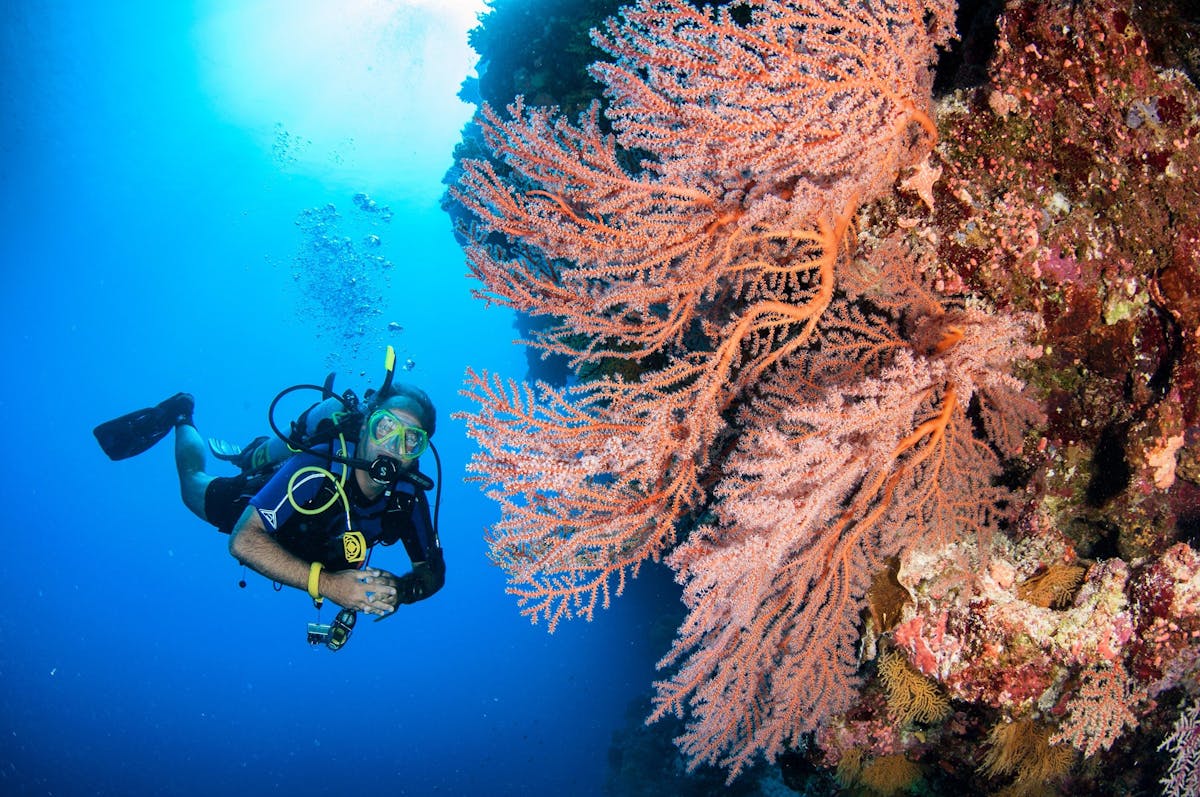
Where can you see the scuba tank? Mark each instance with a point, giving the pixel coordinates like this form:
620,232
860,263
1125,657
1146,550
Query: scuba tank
335,417
268,452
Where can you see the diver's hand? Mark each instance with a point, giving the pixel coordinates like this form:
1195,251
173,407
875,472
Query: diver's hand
391,597
368,590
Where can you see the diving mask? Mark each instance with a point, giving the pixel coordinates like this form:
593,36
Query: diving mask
394,436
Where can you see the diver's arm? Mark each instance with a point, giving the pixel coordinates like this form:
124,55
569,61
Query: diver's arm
254,547
425,549
425,579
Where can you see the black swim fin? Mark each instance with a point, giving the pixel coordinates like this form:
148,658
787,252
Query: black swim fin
135,432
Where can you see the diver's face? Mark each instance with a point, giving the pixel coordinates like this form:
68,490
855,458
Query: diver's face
395,434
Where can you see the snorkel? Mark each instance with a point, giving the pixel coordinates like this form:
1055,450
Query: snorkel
389,373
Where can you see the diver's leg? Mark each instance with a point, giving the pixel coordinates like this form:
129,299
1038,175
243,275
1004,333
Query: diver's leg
189,461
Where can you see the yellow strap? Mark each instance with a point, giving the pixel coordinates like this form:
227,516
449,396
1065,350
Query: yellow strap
314,581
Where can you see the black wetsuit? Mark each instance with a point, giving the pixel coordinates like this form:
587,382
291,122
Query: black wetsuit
400,514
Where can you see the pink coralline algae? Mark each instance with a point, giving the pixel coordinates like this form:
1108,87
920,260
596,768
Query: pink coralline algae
1130,629
1070,189
1166,599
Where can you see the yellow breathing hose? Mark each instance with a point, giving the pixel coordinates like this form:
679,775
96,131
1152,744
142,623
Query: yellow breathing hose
339,486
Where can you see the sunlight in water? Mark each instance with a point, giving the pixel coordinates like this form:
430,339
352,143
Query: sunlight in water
360,92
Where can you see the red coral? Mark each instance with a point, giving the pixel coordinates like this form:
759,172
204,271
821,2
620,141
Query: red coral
1100,711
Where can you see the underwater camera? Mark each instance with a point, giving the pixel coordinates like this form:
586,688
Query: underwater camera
318,633
333,635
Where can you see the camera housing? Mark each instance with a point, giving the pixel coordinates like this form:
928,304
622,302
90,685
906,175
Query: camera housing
318,633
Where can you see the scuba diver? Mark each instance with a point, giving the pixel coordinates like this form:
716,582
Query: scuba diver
309,506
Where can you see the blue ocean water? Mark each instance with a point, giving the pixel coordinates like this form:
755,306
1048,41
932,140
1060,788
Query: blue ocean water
157,236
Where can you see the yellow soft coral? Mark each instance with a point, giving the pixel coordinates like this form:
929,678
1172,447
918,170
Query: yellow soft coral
911,696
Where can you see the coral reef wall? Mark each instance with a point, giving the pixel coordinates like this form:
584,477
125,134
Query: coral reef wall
894,383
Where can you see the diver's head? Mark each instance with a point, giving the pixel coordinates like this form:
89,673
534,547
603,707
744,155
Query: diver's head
399,426
410,399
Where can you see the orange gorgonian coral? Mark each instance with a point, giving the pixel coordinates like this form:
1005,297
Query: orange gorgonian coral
797,415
